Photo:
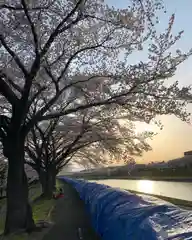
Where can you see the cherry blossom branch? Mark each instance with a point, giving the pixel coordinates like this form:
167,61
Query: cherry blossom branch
6,91
14,56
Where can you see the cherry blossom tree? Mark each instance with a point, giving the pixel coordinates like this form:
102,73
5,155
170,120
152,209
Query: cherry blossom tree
76,52
88,137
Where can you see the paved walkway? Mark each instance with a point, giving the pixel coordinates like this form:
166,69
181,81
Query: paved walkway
70,218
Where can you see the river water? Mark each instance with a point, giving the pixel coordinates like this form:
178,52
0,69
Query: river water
179,190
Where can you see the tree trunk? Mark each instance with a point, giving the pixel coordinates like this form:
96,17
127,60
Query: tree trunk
48,182
1,192
19,213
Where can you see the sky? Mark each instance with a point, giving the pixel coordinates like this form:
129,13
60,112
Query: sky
176,136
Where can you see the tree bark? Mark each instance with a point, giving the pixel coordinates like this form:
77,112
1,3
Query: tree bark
19,213
48,182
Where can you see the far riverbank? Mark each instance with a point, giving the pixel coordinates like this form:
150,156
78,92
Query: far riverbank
166,179
179,202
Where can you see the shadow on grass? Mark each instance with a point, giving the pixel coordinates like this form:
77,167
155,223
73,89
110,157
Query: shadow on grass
41,208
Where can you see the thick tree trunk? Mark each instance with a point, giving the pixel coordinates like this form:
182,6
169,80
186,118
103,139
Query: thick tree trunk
19,214
1,192
48,182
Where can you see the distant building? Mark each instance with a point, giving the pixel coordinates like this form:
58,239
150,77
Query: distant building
186,160
188,153
140,165
158,165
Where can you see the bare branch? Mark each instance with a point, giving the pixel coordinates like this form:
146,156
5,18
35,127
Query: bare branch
79,108
63,164
70,147
33,30
10,81
55,82
6,91
77,53
36,95
58,58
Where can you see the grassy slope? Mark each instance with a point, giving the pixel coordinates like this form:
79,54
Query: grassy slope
41,209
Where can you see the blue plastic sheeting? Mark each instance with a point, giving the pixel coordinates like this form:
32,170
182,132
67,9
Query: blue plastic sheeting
120,215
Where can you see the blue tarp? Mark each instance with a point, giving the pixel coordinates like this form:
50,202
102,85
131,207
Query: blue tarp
120,215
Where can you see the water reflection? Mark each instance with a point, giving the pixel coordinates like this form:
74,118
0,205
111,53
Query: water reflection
180,190
145,186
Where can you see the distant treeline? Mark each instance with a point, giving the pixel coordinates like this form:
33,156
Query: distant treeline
145,172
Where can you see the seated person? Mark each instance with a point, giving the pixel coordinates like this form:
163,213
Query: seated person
59,195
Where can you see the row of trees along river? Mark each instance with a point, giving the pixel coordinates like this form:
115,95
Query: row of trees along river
69,92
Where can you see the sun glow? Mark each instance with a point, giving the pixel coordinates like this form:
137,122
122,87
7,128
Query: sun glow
145,186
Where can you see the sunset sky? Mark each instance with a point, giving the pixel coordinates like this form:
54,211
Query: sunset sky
176,136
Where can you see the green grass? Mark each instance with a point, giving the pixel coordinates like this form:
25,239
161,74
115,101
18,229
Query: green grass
34,192
41,208
23,236
59,184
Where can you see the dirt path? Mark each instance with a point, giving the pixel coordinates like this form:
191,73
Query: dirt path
70,218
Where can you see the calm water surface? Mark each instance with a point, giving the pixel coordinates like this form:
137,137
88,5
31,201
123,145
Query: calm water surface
180,190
